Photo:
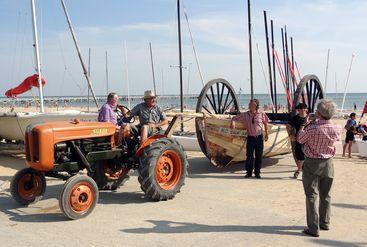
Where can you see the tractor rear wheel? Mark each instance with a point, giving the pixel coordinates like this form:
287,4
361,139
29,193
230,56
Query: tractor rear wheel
78,197
28,186
108,175
162,169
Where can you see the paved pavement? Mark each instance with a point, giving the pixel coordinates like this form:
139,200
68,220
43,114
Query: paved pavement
216,207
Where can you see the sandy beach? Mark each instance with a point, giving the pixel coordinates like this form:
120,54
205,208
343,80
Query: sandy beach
216,207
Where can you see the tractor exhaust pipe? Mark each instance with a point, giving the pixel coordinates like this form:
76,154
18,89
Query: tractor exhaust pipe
81,156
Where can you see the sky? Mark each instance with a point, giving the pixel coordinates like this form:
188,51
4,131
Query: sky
124,28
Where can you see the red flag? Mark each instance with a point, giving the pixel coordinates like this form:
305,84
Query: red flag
27,84
365,108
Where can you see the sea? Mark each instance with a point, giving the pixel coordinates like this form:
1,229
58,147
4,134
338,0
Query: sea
173,101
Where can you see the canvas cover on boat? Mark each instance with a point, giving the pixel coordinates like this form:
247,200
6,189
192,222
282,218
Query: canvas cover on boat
26,85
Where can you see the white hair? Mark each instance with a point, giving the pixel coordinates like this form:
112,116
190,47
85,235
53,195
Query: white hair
326,108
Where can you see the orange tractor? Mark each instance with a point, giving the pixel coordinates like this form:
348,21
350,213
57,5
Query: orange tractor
64,149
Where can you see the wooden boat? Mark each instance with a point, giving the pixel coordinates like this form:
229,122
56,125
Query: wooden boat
223,145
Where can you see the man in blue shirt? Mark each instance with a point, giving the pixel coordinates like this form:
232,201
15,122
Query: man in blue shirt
350,126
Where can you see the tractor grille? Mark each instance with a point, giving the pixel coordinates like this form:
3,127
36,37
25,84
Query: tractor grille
27,145
35,146
32,146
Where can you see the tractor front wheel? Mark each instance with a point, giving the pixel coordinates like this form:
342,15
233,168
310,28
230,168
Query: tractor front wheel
79,197
28,186
162,169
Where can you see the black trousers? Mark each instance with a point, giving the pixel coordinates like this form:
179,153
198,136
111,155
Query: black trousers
255,144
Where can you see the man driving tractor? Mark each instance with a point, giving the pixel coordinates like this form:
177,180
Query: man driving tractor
151,116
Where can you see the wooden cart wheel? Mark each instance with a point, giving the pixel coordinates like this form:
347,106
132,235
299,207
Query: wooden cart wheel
217,97
309,91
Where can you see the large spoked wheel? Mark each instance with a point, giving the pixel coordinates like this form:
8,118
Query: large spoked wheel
28,186
217,97
162,169
109,175
79,197
309,91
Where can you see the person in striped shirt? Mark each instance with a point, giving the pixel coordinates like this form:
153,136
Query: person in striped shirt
319,138
255,122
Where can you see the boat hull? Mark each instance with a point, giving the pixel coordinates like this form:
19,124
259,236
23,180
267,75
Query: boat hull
13,125
225,146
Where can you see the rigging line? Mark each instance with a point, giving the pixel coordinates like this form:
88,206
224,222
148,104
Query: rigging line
193,47
266,80
282,75
66,70
293,77
298,73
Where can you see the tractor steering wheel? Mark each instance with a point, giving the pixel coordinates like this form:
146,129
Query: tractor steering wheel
121,115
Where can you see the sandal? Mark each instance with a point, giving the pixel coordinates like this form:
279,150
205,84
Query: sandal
296,173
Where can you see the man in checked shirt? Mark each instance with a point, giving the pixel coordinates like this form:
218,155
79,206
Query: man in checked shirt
319,138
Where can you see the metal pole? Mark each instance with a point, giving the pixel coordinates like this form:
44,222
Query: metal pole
127,76
79,53
269,63
285,66
89,77
293,75
274,71
107,90
37,55
326,70
151,60
250,47
286,60
180,58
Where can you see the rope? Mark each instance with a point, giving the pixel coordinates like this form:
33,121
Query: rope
289,99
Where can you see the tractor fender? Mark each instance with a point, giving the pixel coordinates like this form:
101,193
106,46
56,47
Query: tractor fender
147,142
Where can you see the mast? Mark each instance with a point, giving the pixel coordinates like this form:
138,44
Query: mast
269,63
107,92
79,53
37,54
290,85
180,57
274,73
347,81
285,67
326,70
250,47
151,60
127,76
89,77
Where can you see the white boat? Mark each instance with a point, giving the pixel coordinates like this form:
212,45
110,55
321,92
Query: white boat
14,124
189,143
362,147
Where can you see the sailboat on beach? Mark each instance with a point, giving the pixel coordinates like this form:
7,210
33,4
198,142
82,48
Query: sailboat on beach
14,124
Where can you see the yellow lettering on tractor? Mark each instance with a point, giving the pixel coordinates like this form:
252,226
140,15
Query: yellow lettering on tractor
100,131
